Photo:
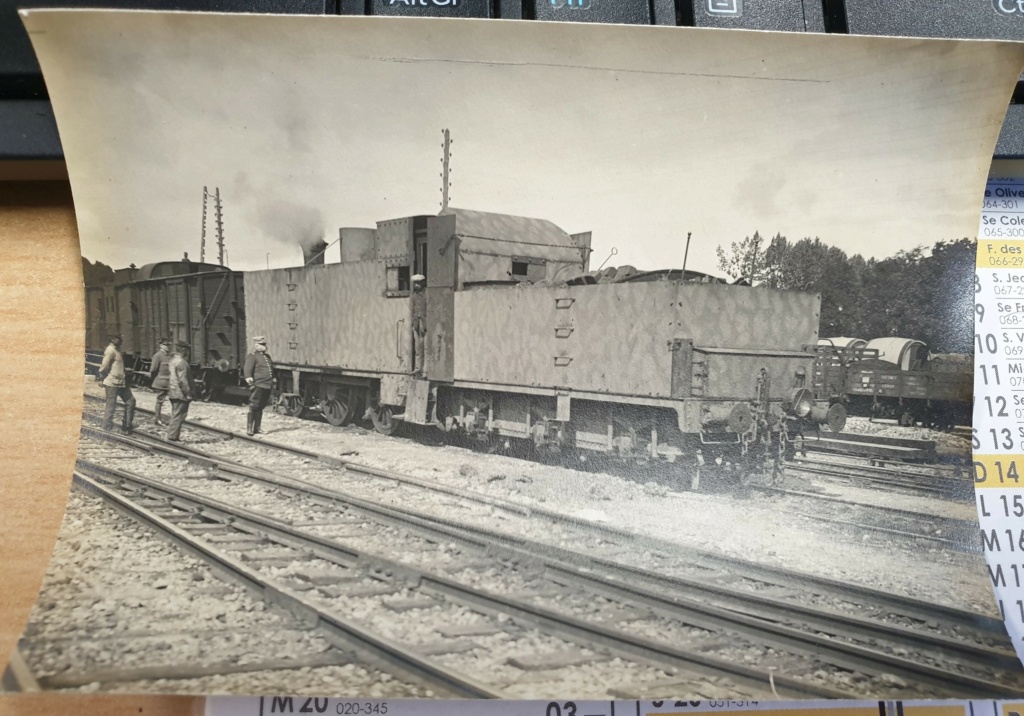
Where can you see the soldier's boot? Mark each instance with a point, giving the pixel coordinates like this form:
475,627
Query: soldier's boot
259,422
250,427
129,417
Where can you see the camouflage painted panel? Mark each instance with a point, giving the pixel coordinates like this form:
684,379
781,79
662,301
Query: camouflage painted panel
476,267
608,339
266,313
617,338
505,335
394,238
507,235
345,320
723,316
621,338
736,376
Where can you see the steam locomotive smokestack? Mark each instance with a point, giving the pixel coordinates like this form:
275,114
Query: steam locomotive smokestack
313,254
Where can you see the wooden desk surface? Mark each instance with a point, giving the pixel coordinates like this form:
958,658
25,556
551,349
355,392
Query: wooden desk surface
42,315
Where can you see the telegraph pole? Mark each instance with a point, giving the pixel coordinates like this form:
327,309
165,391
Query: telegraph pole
202,240
445,184
686,255
220,226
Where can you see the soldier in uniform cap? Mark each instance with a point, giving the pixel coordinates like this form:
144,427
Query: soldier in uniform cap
180,390
160,372
259,376
115,383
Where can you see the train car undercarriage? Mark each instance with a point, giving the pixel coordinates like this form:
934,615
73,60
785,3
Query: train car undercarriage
704,442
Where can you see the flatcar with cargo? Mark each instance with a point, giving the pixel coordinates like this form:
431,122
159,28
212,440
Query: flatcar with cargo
897,378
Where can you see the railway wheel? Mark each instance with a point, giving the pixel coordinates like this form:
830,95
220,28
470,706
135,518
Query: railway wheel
204,391
336,411
294,406
383,420
750,474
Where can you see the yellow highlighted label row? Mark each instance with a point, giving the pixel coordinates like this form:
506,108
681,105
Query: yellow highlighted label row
998,470
996,253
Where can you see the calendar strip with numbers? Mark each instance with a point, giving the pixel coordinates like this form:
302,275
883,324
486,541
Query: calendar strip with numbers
274,705
998,432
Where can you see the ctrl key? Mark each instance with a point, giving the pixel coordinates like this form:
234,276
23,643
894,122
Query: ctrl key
431,8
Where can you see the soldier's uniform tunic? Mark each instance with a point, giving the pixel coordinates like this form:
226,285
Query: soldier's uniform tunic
259,374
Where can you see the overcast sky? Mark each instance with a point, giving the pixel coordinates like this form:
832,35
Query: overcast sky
639,134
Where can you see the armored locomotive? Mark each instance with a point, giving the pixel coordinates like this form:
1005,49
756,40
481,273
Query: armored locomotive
492,325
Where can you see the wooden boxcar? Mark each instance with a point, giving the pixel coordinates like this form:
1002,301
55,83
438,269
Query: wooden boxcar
199,304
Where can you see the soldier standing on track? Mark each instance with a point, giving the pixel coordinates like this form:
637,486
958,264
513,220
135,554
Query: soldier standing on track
114,378
418,308
180,389
160,372
259,375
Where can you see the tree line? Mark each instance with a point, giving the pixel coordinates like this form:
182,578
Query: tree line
96,273
926,294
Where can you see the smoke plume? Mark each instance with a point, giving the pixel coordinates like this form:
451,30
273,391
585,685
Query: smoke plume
291,223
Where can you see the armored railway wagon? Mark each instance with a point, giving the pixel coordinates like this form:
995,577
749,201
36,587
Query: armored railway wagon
492,325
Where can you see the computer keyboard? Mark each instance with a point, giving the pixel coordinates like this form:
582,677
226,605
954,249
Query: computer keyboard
28,131
786,15
977,19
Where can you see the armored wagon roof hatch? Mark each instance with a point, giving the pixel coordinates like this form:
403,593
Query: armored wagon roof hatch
628,274
509,235
164,269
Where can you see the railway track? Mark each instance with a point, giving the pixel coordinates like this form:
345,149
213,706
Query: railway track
890,522
313,571
873,446
570,530
934,482
226,540
741,611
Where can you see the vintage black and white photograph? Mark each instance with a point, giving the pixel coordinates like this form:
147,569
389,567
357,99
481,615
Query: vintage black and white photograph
443,359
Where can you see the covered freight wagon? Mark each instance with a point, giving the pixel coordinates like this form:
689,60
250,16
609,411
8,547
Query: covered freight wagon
197,303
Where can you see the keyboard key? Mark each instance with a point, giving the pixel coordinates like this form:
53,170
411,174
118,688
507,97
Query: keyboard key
787,15
629,12
20,76
982,19
432,8
28,130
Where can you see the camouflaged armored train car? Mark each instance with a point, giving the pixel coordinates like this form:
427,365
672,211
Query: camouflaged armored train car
492,325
